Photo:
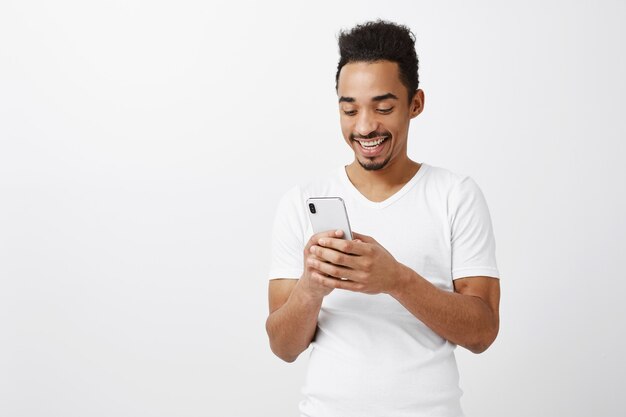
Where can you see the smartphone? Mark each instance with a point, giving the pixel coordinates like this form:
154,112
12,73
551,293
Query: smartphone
329,213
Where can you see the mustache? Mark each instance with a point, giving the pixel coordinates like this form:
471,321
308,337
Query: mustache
372,135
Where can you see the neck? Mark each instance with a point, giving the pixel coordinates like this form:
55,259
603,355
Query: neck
383,181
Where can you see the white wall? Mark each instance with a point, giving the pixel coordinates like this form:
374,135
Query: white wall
144,146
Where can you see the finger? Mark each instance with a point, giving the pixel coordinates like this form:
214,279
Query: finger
353,247
326,234
312,256
336,283
330,269
334,256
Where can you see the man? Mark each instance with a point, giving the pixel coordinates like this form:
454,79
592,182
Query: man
420,274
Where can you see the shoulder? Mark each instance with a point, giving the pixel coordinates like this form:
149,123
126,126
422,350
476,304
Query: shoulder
313,187
457,191
448,183
291,221
444,177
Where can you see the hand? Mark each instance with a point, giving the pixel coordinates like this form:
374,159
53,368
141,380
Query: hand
312,286
364,264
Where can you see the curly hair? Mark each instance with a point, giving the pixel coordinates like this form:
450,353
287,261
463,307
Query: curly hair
381,40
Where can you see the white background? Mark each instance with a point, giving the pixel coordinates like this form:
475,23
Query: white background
144,146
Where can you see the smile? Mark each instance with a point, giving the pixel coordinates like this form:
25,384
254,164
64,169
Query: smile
371,144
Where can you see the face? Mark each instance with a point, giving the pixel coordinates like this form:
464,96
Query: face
375,112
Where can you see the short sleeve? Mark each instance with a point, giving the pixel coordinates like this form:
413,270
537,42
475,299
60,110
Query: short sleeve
287,239
472,241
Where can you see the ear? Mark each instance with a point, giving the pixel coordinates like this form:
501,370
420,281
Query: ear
417,103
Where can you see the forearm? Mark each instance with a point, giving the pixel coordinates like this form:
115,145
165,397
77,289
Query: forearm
291,328
462,319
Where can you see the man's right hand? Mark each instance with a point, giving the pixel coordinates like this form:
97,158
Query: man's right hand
295,305
310,285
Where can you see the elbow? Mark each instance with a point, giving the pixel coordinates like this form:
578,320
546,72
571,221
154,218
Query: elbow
482,343
284,356
276,347
281,353
478,348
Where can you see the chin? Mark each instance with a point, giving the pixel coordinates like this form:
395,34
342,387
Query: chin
369,165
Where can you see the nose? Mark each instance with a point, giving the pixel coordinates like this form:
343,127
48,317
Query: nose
366,123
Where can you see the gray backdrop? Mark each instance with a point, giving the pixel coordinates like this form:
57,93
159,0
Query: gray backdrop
144,146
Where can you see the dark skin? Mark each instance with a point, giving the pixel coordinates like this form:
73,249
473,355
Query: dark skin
375,105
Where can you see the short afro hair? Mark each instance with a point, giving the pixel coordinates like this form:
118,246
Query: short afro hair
381,40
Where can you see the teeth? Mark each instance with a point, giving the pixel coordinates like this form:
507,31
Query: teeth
372,143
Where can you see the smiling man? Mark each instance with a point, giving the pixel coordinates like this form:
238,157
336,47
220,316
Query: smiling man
420,276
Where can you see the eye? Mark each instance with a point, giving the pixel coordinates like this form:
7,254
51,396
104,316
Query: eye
349,112
385,111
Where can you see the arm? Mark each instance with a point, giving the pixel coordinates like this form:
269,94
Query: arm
292,321
294,307
468,317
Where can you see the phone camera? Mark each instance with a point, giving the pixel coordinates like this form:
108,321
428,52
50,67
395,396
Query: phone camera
312,207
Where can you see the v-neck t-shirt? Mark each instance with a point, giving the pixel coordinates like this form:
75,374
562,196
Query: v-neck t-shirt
370,356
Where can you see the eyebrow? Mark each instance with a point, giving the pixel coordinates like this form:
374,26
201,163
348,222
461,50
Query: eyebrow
387,96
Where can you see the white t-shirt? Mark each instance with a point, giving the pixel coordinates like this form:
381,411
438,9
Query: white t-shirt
370,356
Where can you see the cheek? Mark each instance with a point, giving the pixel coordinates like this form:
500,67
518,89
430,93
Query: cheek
398,126
346,129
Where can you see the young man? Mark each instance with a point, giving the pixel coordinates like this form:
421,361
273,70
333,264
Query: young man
420,274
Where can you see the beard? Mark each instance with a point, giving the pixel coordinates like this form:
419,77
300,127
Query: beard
369,164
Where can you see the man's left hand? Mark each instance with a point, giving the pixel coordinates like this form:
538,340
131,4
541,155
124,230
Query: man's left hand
363,263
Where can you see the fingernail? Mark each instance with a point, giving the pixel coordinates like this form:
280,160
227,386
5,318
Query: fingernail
322,242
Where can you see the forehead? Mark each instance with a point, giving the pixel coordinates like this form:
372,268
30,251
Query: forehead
364,80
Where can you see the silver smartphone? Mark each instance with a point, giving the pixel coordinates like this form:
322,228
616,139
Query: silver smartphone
329,213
